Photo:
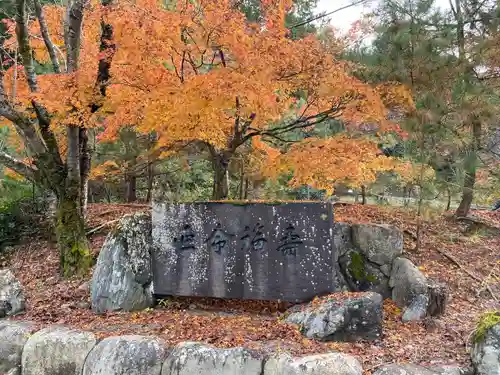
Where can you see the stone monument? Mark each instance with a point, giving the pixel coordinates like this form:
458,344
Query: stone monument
267,251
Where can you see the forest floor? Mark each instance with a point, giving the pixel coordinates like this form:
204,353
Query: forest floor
468,261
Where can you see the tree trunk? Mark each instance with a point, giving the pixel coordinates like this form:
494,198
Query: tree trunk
245,195
467,193
74,249
72,242
85,155
131,189
220,165
84,194
448,203
151,177
242,181
438,298
470,171
363,194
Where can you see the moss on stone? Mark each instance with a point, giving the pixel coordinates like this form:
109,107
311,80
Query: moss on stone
358,270
485,323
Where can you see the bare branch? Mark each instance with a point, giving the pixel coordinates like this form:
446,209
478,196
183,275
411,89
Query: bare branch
18,166
322,15
46,36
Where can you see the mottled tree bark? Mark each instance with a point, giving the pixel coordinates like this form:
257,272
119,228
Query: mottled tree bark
220,164
131,195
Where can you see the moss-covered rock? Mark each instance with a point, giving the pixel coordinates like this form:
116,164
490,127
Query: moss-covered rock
486,350
123,277
361,275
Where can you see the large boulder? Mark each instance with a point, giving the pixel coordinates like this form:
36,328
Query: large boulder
57,351
322,364
380,244
485,353
191,358
410,289
340,317
12,299
13,336
131,355
342,238
123,277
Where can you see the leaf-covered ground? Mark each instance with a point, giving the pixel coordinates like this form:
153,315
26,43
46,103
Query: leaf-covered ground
256,324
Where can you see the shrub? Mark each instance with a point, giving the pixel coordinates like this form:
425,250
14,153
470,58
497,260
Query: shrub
19,211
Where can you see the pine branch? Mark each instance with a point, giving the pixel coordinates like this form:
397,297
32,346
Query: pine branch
322,15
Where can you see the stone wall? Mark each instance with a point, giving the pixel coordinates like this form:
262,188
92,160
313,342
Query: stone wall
59,350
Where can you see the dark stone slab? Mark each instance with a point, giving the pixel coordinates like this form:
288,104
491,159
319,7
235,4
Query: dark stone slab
265,251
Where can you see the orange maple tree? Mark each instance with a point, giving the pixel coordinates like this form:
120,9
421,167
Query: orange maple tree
201,72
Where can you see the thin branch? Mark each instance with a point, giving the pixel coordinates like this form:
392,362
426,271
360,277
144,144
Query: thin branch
462,267
98,228
222,58
18,166
453,10
14,81
182,65
237,120
278,138
46,36
315,18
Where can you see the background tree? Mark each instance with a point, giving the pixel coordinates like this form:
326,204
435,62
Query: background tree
436,53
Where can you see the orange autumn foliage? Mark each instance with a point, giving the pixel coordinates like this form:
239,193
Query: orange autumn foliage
322,163
190,72
67,96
